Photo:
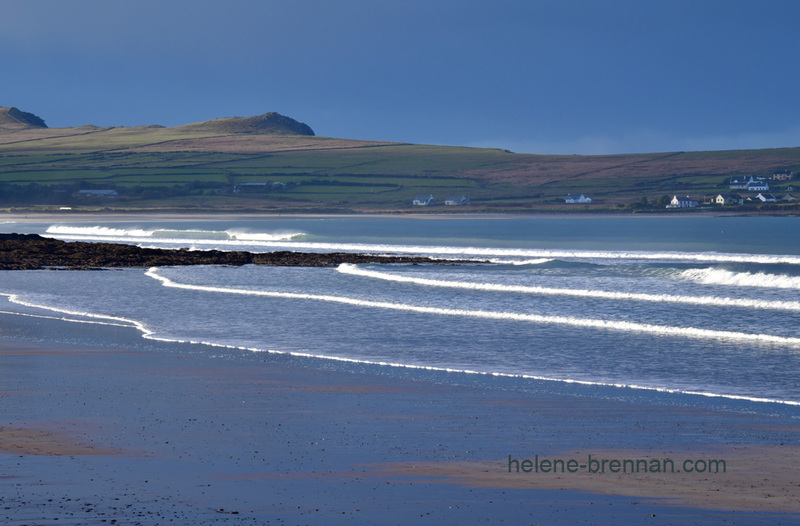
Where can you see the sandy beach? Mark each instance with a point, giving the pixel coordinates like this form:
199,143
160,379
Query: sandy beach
101,426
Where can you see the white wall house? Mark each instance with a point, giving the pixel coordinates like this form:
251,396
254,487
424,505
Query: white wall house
739,183
423,200
456,201
682,202
757,186
573,198
766,198
728,199
750,184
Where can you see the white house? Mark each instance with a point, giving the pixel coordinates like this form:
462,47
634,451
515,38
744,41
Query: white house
766,198
423,200
739,183
456,201
757,186
682,202
572,198
750,184
728,199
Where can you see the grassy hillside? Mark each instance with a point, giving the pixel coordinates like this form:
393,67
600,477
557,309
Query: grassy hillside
250,164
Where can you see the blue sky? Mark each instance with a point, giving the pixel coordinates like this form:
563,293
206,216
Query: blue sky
535,76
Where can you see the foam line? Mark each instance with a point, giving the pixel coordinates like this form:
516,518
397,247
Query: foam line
718,276
148,334
60,318
522,376
284,241
101,233
114,321
347,268
625,326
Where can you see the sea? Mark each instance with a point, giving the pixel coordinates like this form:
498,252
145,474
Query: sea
705,307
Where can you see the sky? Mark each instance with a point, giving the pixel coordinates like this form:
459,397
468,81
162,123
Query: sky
530,76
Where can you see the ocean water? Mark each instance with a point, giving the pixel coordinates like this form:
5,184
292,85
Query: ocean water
701,305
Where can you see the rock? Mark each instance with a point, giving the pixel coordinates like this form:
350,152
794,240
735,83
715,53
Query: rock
31,251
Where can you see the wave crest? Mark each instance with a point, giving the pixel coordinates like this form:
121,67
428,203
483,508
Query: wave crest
102,233
347,268
613,325
718,276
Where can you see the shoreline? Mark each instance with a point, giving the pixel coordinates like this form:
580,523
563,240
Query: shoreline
519,381
182,431
110,216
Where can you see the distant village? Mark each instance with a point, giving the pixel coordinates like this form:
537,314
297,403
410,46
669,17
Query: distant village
758,189
429,200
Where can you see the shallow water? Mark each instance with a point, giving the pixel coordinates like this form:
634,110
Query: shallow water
700,305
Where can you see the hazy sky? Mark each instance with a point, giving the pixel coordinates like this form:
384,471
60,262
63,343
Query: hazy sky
538,76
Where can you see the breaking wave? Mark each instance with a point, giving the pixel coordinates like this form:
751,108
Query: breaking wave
624,326
717,276
101,319
101,233
347,268
293,241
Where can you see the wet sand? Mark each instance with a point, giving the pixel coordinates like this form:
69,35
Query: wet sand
99,425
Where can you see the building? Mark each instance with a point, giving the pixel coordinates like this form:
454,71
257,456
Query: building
423,200
757,186
740,183
766,198
572,198
456,201
750,184
785,175
728,199
682,202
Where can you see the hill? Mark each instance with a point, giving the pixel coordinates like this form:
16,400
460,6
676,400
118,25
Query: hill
274,163
12,118
269,123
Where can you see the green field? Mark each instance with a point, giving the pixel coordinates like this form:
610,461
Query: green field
153,167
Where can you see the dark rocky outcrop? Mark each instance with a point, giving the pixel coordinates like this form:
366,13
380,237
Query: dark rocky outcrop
31,251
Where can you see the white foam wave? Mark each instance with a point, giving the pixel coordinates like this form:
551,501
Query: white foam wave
97,231
148,334
535,261
625,326
717,276
232,237
347,268
289,241
512,375
99,319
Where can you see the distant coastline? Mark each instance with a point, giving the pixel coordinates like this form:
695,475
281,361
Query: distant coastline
273,164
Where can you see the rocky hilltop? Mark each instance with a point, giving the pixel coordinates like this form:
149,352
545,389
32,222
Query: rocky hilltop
272,123
31,252
13,118
269,123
